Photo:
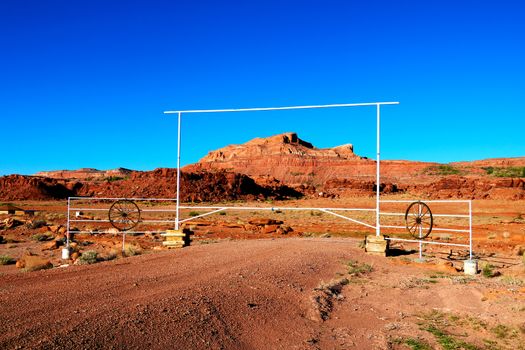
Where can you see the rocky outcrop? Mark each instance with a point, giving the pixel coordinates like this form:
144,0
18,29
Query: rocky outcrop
160,183
295,162
19,187
86,174
493,162
471,188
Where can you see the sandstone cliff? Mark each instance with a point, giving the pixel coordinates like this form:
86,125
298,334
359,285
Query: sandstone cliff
295,162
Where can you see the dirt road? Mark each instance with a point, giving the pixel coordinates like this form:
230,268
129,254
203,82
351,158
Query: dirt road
257,294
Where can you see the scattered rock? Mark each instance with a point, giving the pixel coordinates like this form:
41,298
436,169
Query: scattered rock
249,227
10,223
34,224
446,266
32,262
52,245
519,250
264,222
54,228
270,228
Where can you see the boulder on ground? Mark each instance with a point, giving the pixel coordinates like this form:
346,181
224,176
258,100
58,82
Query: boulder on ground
32,262
10,223
54,228
270,228
263,222
52,245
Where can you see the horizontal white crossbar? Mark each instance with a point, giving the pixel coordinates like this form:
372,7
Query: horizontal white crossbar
429,201
278,208
131,199
435,215
141,221
434,229
141,210
347,218
280,108
427,242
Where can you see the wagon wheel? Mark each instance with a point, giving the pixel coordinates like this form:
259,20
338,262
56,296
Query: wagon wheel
124,214
418,220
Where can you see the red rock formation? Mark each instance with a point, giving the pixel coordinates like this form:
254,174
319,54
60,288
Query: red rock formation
160,183
295,162
85,174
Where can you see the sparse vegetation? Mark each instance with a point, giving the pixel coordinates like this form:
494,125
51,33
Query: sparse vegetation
41,237
114,178
505,171
442,170
355,268
88,257
416,344
132,250
447,341
36,224
502,332
194,213
488,271
6,260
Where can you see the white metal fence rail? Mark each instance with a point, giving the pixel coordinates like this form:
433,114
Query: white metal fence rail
101,205
467,208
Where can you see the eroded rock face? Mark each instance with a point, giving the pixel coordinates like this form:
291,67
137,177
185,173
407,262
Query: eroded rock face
19,187
280,166
296,162
160,183
85,174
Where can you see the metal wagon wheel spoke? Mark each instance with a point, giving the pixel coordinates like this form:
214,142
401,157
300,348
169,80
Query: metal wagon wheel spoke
124,214
419,220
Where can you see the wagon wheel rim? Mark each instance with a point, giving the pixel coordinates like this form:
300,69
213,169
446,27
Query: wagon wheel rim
419,220
124,214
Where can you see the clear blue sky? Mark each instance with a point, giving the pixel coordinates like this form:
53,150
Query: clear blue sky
84,83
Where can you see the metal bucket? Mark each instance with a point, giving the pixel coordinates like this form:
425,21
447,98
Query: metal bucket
65,253
470,267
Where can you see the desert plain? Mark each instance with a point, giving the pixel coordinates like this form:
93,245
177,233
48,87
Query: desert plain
272,278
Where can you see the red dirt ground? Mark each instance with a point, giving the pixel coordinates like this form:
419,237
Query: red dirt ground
256,294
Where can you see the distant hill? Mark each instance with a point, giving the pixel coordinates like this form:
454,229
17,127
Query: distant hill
281,166
85,174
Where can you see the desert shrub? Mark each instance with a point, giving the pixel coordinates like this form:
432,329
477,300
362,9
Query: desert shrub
355,268
510,171
501,331
114,178
488,271
88,257
443,169
36,224
417,344
194,213
132,250
111,255
41,237
6,260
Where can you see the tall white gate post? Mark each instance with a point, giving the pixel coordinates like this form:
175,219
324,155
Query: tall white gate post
378,161
178,172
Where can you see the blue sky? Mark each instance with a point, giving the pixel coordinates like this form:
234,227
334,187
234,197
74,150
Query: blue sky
84,83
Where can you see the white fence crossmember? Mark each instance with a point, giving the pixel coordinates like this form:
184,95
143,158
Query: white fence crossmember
164,216
453,220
